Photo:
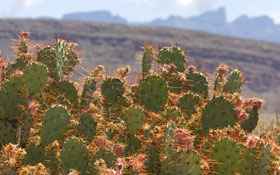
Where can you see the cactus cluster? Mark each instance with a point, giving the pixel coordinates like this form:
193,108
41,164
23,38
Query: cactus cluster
170,122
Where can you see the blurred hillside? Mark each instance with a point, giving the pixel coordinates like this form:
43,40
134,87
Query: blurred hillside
115,45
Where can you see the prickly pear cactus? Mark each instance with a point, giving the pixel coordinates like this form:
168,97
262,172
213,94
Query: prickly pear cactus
34,155
182,162
134,118
35,77
234,82
74,155
218,114
197,83
188,103
226,153
112,89
173,55
11,98
153,93
250,123
88,90
8,132
87,127
168,122
55,123
147,60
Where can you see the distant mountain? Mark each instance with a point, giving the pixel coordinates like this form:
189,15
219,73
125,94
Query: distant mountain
97,16
257,28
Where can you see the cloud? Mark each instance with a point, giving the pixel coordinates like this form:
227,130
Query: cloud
185,2
30,3
13,7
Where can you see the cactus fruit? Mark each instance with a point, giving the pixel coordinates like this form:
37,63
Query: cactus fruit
55,123
218,114
87,127
234,82
74,155
188,103
153,93
226,153
35,77
173,55
34,155
112,89
197,83
134,118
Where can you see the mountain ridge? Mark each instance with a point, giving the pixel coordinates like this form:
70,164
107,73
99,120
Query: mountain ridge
257,28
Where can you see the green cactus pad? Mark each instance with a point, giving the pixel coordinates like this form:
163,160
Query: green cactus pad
112,89
218,114
265,160
132,144
181,163
173,55
153,93
74,155
153,160
134,118
55,123
60,56
234,82
147,60
188,102
219,84
250,162
52,162
175,83
87,127
172,113
11,98
35,77
107,156
72,58
67,90
226,154
250,123
89,89
34,155
197,83
47,57
8,132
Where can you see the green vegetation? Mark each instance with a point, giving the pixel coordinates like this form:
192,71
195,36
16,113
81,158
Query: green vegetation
49,127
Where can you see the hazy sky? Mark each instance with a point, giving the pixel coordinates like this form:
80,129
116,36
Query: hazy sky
139,10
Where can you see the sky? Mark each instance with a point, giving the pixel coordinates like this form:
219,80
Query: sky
139,10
